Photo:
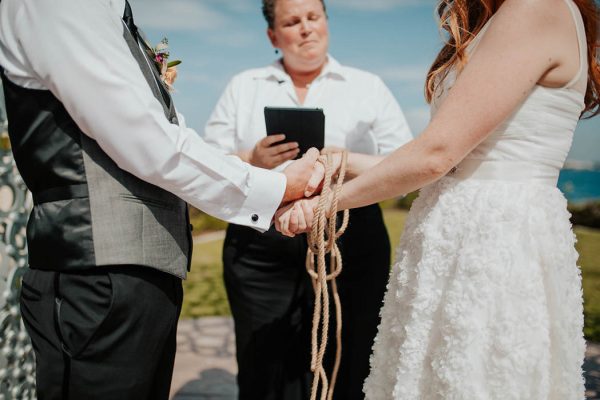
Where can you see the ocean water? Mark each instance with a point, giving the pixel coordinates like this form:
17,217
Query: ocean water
580,185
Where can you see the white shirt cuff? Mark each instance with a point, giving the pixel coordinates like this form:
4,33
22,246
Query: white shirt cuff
264,197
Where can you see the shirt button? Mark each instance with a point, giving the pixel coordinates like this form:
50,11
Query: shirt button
254,218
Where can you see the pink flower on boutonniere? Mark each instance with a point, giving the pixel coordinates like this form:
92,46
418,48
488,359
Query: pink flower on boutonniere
167,69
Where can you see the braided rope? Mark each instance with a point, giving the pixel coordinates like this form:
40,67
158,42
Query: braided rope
321,241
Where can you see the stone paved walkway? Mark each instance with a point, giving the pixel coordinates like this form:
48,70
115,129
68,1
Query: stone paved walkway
205,366
592,368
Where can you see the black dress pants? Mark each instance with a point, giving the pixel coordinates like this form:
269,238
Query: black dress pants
105,333
271,299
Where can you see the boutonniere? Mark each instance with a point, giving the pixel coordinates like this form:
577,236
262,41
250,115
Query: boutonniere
167,69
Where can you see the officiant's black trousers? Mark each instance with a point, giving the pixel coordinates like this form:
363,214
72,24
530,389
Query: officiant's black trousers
106,333
271,300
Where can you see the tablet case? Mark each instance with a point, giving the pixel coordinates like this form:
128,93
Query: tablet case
303,125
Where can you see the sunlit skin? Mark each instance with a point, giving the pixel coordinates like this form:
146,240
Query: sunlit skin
528,43
301,33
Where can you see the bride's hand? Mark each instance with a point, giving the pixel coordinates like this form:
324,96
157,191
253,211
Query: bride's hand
332,149
296,217
335,154
315,183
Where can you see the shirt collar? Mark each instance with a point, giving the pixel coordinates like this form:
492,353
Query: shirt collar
276,71
333,67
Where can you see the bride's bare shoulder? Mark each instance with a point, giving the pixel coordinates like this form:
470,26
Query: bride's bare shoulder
535,14
543,29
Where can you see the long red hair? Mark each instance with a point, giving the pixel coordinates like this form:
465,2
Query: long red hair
463,19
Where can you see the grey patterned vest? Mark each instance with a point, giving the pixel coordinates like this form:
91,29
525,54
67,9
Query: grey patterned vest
87,211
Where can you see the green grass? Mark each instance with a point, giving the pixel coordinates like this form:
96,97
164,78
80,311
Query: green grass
205,223
205,293
204,289
394,221
588,246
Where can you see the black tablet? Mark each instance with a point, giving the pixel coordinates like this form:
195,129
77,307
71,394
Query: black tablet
303,125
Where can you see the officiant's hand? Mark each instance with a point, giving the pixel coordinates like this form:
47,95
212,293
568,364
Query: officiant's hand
303,176
268,154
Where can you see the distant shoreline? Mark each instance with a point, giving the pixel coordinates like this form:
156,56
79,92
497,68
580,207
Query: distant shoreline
577,165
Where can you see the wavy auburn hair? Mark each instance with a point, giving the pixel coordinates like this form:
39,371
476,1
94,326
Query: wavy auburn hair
463,19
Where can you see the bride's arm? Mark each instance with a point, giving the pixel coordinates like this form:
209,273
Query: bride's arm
358,163
524,43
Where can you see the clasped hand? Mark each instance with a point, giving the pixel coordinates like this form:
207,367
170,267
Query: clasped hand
296,217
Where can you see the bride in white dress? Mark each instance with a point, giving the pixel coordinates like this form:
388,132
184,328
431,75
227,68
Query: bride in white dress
485,301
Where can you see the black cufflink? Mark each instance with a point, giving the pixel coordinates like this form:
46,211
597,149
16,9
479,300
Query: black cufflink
254,217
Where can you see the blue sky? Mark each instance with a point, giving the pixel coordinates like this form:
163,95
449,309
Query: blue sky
396,39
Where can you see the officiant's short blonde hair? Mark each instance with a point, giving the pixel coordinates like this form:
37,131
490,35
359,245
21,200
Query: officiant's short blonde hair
268,9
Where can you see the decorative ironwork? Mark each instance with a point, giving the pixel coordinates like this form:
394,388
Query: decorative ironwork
17,364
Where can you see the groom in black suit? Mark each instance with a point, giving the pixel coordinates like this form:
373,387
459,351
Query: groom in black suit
111,165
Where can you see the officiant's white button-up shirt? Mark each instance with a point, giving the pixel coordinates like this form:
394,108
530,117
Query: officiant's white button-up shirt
76,50
361,114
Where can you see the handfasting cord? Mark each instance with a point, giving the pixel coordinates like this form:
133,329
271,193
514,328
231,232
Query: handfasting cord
321,241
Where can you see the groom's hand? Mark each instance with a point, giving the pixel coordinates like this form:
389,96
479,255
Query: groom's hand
303,176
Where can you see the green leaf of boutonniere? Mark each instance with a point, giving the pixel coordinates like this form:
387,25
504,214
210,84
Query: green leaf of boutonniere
173,63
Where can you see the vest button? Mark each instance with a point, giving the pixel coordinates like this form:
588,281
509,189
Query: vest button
254,218
174,120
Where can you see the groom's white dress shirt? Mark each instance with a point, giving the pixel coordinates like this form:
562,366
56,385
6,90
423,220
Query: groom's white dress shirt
361,114
76,50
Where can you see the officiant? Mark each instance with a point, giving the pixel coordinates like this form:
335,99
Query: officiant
266,281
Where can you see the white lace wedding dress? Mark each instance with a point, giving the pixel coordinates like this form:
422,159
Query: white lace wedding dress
485,301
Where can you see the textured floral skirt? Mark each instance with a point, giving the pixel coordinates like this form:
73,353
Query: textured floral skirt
485,300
